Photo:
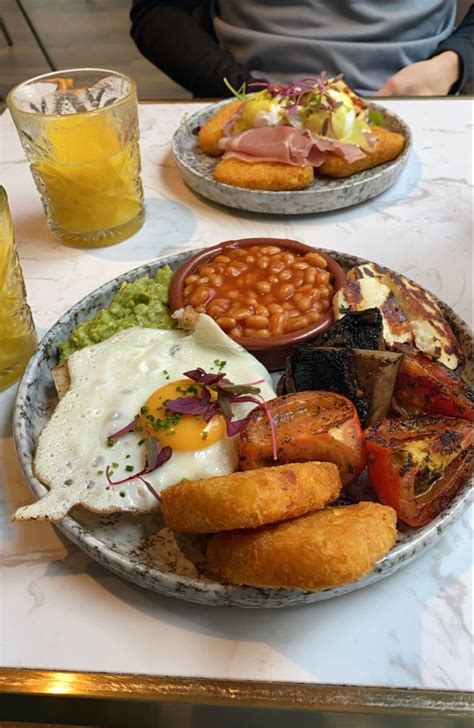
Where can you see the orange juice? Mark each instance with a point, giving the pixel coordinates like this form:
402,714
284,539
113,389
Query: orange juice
80,134
90,178
17,333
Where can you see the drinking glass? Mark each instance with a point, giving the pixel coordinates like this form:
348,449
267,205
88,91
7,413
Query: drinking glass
79,130
17,331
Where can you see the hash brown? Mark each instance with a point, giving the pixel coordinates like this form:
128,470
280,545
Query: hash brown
388,146
273,176
249,499
323,550
211,133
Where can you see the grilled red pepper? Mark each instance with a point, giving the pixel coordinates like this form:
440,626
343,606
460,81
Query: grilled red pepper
424,386
417,465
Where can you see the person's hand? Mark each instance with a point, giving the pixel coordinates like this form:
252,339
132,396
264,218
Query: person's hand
425,78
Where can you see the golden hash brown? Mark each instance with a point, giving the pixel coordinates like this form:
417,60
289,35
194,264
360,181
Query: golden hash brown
388,146
212,131
251,498
263,175
319,551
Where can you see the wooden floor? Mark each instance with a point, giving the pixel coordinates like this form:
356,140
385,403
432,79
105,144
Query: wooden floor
75,33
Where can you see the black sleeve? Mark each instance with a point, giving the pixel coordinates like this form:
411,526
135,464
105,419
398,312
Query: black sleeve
168,35
461,42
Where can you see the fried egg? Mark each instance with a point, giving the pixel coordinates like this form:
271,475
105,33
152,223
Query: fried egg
134,373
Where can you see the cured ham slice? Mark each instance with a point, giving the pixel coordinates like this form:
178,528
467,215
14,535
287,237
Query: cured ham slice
287,145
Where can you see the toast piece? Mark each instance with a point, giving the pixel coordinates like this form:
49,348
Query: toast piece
61,378
389,145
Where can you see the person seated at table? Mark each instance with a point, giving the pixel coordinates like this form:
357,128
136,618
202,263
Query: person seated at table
391,48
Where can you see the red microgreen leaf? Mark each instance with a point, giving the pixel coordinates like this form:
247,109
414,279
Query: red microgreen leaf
202,377
163,456
212,410
150,487
235,427
186,405
124,430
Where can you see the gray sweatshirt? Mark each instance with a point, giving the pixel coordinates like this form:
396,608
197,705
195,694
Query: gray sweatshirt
369,39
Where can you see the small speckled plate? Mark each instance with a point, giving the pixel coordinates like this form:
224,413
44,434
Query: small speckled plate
322,195
141,548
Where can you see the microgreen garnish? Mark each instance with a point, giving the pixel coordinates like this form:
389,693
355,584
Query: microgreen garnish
197,404
120,433
155,457
238,93
315,87
376,117
227,395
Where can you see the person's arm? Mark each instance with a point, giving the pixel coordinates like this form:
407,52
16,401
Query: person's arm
462,43
168,35
448,70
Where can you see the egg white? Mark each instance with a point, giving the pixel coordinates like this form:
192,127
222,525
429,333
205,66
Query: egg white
110,381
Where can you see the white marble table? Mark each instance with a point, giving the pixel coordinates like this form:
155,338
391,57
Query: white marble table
62,611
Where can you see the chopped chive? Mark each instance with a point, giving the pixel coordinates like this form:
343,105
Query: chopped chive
115,465
110,442
129,468
100,472
127,456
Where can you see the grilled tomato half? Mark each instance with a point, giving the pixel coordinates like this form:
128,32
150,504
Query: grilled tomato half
309,426
425,386
417,465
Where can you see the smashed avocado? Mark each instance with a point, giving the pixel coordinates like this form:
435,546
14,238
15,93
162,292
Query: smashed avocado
143,302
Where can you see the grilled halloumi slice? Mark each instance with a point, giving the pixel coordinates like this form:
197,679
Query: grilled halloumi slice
365,293
431,332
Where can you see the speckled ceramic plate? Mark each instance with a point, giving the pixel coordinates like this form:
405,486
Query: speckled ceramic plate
323,195
141,548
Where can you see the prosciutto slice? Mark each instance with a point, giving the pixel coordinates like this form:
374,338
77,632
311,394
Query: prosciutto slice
287,145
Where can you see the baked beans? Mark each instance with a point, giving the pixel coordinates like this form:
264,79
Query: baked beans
261,291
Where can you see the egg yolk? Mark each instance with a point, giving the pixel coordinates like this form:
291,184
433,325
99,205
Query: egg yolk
180,431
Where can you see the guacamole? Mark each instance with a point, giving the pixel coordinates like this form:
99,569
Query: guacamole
143,302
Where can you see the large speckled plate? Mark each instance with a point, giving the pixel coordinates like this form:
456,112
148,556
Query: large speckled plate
322,195
141,548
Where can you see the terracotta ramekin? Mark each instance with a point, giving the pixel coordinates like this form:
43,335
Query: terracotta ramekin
274,351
